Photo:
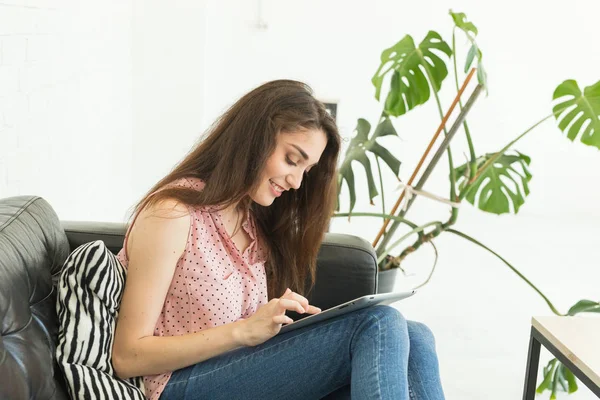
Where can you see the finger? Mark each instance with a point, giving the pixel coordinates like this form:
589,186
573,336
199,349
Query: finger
282,319
288,290
299,298
303,302
313,310
292,305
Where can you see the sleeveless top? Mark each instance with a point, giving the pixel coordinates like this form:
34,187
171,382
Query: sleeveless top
214,282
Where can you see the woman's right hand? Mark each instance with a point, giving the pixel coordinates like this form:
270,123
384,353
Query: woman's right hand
266,322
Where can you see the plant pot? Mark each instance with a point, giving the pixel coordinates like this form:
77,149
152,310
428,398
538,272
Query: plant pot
386,280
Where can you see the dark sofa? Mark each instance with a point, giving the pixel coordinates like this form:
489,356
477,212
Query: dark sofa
34,244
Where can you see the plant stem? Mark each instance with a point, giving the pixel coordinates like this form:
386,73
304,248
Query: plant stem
381,184
402,238
435,250
428,238
467,237
448,150
472,163
362,214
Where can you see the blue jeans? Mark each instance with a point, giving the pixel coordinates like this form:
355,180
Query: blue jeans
375,350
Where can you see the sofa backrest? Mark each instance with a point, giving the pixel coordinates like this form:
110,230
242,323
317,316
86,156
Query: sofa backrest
33,248
346,264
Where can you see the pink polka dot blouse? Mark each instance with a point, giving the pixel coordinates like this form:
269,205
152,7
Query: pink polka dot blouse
214,282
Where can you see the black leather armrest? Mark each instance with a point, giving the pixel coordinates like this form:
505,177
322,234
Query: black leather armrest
346,269
346,265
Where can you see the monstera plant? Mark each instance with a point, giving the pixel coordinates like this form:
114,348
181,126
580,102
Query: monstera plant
496,182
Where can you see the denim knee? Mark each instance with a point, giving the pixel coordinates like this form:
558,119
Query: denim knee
389,317
420,334
384,311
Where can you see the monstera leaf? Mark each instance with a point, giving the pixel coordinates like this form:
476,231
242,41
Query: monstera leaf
470,30
579,113
460,20
357,151
410,67
495,194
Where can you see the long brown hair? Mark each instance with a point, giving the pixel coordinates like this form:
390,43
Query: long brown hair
230,159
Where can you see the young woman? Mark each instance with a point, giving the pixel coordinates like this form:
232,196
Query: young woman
221,248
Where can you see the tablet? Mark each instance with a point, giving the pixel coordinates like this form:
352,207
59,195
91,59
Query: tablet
349,306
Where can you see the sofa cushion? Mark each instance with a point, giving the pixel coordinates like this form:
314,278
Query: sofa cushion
89,293
33,248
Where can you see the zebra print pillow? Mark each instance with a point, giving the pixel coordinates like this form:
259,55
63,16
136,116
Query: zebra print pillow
89,293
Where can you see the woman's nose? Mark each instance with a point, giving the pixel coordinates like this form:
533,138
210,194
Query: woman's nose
294,180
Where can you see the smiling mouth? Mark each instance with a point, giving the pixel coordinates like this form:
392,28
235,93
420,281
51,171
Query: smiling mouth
276,187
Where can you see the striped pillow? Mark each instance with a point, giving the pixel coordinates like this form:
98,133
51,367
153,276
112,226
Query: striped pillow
89,293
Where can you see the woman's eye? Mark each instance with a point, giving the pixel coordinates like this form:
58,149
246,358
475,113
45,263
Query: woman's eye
290,162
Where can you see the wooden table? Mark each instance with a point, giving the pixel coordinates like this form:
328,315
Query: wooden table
574,341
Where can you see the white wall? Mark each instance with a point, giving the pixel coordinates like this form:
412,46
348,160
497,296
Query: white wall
111,95
168,85
80,83
65,105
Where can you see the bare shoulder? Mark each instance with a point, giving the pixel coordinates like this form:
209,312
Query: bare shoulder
165,208
161,226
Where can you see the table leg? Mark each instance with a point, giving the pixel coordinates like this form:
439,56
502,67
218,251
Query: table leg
533,361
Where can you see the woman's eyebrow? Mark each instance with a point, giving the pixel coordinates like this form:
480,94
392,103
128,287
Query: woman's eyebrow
302,153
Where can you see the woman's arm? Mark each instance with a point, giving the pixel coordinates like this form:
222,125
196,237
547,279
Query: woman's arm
155,243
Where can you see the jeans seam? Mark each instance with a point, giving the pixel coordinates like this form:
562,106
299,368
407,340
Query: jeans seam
378,356
377,320
354,335
169,383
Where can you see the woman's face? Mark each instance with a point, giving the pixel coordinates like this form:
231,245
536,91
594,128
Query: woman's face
295,154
